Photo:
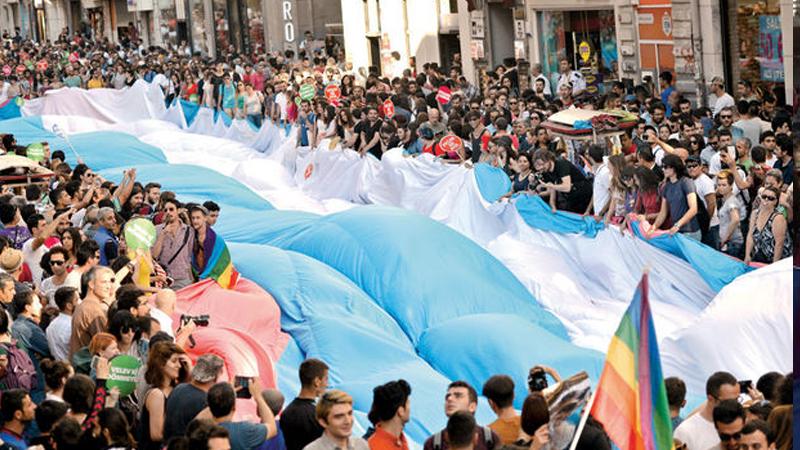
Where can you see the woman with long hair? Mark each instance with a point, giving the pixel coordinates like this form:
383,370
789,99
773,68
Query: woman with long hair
114,430
768,239
648,203
345,128
623,196
71,239
167,365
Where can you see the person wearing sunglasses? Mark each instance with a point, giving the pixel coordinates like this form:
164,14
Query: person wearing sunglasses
768,239
729,418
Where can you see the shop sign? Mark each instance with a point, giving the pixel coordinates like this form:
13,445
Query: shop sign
645,18
476,50
585,51
770,48
666,24
476,30
288,26
519,29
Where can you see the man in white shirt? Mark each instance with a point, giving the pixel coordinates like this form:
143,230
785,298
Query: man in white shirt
164,310
698,431
570,76
60,328
724,100
602,180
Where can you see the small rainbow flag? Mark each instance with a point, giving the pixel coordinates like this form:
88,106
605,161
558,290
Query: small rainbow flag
631,399
218,264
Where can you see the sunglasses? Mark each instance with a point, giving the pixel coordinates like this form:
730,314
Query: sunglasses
768,198
726,117
725,437
692,166
56,263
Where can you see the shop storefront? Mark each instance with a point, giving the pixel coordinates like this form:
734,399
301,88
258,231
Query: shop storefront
755,45
587,38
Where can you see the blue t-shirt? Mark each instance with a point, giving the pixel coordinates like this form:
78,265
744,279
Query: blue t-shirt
665,99
276,443
13,439
304,125
245,435
675,195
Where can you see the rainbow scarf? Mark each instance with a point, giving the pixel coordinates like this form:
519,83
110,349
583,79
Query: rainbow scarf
631,399
218,264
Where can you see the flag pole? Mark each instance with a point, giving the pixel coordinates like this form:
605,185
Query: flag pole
582,423
587,411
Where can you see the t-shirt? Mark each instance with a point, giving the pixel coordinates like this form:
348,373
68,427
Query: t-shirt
561,169
18,235
245,435
724,215
12,439
506,429
479,442
369,132
277,442
601,187
751,128
675,195
49,288
704,186
697,433
183,404
32,258
723,101
299,423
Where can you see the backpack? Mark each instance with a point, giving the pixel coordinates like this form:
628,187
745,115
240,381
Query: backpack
487,437
20,372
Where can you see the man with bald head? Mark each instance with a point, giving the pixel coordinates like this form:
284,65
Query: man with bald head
164,309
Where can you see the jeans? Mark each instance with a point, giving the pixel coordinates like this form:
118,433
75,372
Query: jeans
711,238
256,119
696,235
734,249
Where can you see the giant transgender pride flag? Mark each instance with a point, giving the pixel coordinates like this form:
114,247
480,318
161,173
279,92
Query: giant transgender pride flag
631,399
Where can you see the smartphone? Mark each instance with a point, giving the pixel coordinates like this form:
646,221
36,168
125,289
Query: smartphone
745,385
242,387
732,153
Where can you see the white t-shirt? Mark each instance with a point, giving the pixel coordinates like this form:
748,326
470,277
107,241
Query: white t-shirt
723,101
164,320
703,185
697,433
282,101
601,188
49,288
32,258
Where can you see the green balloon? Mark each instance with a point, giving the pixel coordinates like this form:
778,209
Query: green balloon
123,373
140,234
307,92
35,152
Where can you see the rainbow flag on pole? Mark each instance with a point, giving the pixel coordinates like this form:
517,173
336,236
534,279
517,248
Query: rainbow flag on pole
631,399
218,264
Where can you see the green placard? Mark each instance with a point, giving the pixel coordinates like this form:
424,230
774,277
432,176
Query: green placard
140,234
307,92
123,373
35,152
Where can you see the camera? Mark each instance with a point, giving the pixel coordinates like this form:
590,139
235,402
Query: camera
242,387
201,320
537,380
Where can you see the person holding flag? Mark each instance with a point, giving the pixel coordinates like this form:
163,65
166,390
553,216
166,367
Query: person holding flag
210,255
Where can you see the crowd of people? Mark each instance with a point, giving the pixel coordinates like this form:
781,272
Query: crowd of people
74,296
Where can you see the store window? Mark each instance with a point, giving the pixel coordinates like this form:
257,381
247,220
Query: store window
199,31
255,27
757,45
586,38
168,23
221,26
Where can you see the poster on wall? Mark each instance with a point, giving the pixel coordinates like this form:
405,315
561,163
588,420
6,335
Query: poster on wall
770,48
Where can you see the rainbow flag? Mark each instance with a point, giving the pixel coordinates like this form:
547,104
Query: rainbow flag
218,264
631,399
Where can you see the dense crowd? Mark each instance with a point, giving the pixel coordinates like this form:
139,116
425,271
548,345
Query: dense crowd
74,296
